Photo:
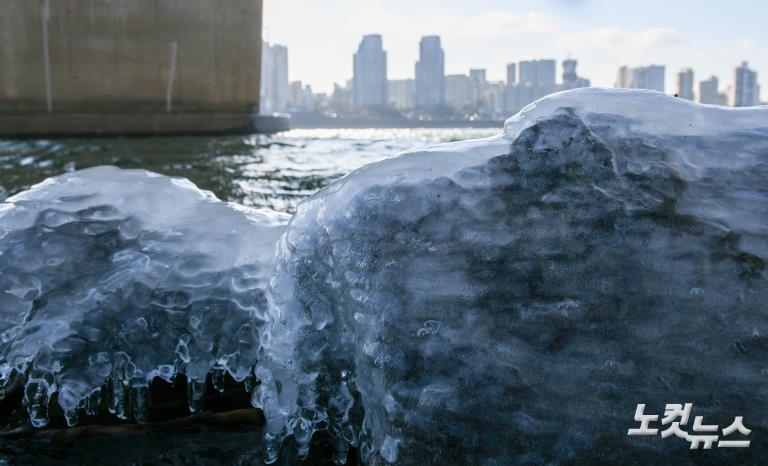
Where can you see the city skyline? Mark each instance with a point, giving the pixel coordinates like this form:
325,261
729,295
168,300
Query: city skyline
489,34
473,95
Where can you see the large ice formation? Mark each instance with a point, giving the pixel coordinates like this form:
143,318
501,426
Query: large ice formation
511,300
500,301
111,277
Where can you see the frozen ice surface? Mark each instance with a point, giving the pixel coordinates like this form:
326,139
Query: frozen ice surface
511,300
119,276
499,301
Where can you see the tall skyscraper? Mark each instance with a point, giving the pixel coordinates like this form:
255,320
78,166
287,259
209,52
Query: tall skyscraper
535,79
571,79
477,75
685,84
511,74
459,91
495,96
274,78
430,74
709,93
300,97
341,98
643,77
569,70
295,94
539,74
401,93
479,79
623,77
370,73
745,91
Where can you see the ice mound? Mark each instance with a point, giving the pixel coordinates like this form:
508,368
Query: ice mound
512,300
118,276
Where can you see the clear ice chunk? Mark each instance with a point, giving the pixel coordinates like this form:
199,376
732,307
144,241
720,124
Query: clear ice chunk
125,275
457,305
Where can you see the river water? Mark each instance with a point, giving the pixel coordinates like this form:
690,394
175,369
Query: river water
256,170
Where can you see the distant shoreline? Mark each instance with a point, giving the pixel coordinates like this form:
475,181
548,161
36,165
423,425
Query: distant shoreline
299,121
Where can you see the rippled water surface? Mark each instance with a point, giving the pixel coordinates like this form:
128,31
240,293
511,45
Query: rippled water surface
256,170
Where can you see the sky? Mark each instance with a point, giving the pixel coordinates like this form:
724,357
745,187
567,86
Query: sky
710,37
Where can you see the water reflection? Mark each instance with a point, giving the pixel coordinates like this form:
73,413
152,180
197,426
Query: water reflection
256,170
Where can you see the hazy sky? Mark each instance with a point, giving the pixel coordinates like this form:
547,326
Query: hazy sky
710,37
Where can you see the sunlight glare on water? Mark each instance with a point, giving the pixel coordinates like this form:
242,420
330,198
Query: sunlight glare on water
261,171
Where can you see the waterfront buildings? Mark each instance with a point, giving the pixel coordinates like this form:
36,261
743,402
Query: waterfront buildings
571,79
431,94
369,88
459,91
532,79
642,77
274,78
745,91
401,93
709,93
430,74
300,97
685,84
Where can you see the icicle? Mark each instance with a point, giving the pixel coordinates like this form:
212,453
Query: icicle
120,401
71,417
249,383
37,393
302,432
195,395
340,451
217,377
256,398
93,402
182,348
8,377
140,400
271,447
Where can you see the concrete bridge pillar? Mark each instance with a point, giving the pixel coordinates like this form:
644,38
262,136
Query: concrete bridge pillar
72,67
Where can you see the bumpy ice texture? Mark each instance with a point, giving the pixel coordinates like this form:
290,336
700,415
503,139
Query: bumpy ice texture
511,300
114,277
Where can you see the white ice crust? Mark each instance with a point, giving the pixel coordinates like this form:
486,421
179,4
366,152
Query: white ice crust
466,303
120,276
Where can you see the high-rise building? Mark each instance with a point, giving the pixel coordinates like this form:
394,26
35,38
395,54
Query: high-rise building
709,93
494,97
651,77
341,98
511,74
643,77
479,79
295,94
623,77
535,79
459,91
430,74
370,73
571,79
300,97
539,74
745,91
401,93
274,78
478,75
685,84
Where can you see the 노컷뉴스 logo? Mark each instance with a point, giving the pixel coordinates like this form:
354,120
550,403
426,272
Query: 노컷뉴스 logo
676,418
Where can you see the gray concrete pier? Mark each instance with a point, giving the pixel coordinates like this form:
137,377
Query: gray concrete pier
80,67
